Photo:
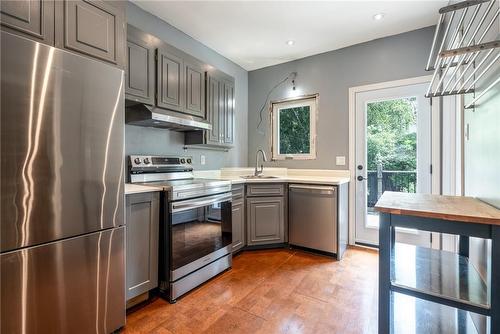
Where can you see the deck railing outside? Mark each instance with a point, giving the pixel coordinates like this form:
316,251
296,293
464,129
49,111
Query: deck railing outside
389,180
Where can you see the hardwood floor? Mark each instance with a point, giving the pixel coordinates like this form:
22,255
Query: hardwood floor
274,291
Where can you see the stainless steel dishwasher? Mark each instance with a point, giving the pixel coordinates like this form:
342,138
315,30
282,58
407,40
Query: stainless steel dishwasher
313,217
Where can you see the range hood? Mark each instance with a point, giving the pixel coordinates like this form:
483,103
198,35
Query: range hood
149,116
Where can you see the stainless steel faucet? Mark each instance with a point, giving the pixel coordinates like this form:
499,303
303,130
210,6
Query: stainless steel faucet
264,159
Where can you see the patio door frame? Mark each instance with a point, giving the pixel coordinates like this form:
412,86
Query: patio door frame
435,146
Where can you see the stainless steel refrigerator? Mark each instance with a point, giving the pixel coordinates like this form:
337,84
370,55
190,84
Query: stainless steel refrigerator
62,215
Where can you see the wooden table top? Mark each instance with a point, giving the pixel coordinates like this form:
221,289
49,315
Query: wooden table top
457,208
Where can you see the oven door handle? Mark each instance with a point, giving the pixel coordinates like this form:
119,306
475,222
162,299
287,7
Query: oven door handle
198,203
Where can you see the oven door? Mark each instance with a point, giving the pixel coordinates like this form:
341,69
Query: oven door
200,231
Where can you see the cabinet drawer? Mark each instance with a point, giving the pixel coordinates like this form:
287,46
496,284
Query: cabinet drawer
265,190
238,193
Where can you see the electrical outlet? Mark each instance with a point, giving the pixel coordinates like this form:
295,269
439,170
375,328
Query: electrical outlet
340,160
202,159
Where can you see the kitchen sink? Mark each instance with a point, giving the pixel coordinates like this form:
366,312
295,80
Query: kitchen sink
258,177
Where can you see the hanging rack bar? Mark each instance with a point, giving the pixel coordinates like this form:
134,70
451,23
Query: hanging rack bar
480,24
437,63
471,75
474,54
460,5
467,68
434,40
483,72
447,93
472,103
470,49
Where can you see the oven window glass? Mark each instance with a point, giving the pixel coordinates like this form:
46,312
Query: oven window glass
200,231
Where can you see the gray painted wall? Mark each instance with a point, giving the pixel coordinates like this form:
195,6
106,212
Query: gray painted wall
331,74
157,141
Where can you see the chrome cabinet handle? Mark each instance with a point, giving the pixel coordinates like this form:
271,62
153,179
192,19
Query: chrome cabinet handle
193,204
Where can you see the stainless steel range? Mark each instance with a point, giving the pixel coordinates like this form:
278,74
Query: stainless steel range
195,224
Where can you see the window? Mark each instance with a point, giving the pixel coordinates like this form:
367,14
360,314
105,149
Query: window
294,128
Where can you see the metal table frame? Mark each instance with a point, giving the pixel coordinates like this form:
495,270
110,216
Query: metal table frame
388,223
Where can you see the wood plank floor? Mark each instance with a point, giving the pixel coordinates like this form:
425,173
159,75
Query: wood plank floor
274,291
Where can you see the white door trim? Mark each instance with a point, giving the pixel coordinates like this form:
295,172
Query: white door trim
435,156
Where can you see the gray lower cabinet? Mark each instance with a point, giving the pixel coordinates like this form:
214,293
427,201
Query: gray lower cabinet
30,18
140,67
94,28
265,220
238,218
142,226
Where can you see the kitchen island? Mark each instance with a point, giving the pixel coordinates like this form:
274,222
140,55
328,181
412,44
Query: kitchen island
442,283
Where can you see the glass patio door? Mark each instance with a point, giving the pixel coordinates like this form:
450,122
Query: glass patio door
393,153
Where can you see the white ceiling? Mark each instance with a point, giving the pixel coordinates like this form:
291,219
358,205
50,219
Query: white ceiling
253,34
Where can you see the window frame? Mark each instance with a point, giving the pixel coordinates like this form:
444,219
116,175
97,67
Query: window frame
302,101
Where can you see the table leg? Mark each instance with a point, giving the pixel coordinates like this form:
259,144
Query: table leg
463,245
495,279
384,273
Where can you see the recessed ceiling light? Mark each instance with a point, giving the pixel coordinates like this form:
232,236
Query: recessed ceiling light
290,42
378,17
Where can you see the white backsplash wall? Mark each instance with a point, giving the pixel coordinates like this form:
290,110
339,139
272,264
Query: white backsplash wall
142,140
159,141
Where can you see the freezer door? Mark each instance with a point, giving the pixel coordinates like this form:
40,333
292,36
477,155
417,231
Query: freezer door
76,285
62,135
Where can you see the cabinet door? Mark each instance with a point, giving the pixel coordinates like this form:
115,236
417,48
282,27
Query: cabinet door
142,225
195,88
170,68
265,220
238,232
139,68
228,113
95,28
30,18
213,109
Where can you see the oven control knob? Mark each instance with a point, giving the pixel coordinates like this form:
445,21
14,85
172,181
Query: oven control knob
183,161
137,161
146,161
189,161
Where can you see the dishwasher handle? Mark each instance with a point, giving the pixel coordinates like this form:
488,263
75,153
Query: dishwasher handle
323,190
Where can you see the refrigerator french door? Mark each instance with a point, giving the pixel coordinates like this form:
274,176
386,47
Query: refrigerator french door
62,217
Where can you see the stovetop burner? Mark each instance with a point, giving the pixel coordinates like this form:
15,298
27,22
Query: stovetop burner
174,175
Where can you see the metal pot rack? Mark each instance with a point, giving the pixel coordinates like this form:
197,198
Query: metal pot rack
459,55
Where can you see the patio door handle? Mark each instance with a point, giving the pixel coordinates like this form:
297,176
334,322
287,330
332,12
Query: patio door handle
360,178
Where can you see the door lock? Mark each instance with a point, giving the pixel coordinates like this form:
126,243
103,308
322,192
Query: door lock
360,178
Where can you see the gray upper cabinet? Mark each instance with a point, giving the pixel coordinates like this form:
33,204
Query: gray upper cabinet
170,80
213,109
195,87
94,28
265,220
142,224
30,18
228,113
140,75
219,111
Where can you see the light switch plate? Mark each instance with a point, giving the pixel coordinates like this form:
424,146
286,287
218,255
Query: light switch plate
202,159
340,160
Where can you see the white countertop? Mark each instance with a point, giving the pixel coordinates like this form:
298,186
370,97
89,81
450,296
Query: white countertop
281,175
137,189
311,176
